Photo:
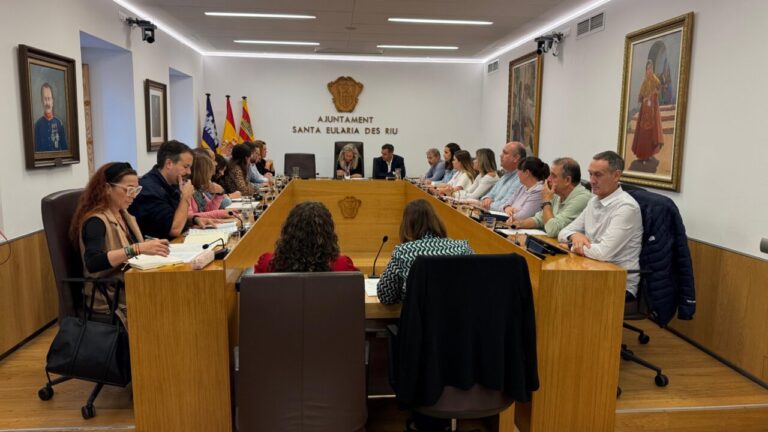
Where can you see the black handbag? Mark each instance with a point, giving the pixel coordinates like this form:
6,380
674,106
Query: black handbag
92,350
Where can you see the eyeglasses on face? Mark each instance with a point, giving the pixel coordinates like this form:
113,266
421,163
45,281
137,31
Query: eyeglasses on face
130,190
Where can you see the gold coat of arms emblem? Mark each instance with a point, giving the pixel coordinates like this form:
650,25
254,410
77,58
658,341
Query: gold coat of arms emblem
345,91
349,207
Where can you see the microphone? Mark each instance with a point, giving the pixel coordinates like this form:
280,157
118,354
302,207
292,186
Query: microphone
373,273
207,245
220,254
242,224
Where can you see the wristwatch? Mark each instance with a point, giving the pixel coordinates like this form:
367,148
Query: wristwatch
546,203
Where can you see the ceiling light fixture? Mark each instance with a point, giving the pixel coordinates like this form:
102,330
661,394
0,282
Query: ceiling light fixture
440,21
419,47
265,42
258,15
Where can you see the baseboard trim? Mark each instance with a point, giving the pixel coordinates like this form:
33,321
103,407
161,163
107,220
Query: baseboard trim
24,342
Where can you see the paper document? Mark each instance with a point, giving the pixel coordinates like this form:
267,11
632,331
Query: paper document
370,287
179,254
498,213
239,205
521,231
204,236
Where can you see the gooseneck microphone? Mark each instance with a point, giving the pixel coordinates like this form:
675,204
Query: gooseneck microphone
373,272
242,224
207,245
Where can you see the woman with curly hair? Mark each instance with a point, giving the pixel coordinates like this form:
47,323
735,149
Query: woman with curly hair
307,243
107,235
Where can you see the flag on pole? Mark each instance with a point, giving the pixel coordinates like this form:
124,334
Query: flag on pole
229,138
246,133
210,137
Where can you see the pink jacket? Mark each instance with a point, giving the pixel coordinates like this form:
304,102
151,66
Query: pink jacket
211,209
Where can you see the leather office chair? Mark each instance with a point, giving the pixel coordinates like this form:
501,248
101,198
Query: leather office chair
304,161
57,210
337,146
465,349
301,354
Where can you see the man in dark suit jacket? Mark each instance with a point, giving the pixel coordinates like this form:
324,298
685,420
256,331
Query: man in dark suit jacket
386,165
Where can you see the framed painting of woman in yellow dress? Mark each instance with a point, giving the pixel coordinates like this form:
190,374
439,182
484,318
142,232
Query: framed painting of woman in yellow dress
654,96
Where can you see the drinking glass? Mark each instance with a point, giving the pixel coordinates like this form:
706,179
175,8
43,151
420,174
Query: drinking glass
489,222
296,172
397,174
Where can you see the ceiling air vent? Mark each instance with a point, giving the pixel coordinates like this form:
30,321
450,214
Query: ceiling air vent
493,66
595,23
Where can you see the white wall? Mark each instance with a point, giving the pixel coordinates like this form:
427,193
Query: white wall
181,108
20,23
112,118
430,104
724,174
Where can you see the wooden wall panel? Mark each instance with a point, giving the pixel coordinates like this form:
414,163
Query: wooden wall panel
28,298
731,306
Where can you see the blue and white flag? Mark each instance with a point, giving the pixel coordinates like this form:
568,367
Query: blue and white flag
210,135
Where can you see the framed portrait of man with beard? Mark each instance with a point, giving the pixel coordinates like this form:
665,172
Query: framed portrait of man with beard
49,108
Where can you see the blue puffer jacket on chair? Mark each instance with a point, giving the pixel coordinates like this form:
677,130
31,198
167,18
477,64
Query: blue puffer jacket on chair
666,258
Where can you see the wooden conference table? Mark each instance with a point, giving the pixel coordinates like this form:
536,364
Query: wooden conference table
183,323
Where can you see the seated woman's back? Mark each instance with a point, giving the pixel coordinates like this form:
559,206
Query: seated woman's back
421,233
307,243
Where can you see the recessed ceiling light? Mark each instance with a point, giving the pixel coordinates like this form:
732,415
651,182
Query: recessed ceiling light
264,42
259,15
419,47
440,21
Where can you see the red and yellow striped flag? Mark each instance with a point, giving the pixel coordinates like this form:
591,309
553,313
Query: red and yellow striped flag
229,138
246,133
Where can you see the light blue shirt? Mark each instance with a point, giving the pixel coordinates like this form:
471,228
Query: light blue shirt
436,171
502,190
446,177
254,176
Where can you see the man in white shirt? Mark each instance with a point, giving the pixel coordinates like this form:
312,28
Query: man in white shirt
611,227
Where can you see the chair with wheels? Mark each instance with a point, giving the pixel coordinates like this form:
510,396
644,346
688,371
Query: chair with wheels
464,349
57,212
666,274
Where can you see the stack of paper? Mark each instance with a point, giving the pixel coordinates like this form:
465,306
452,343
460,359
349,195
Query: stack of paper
205,236
239,205
510,232
179,254
370,287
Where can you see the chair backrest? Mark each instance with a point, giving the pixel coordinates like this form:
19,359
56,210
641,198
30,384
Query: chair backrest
305,162
302,348
459,332
338,145
57,210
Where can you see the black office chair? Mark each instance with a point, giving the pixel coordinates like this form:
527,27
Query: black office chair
304,161
337,146
666,272
465,349
57,210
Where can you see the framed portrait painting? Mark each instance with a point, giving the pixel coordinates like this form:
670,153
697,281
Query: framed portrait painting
524,103
156,110
49,108
657,61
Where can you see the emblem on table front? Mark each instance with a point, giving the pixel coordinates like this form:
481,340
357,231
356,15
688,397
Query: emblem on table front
345,91
349,207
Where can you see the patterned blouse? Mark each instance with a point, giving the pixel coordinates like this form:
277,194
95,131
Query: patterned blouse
391,286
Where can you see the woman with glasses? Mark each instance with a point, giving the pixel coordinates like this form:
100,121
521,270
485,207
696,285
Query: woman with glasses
107,235
348,163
